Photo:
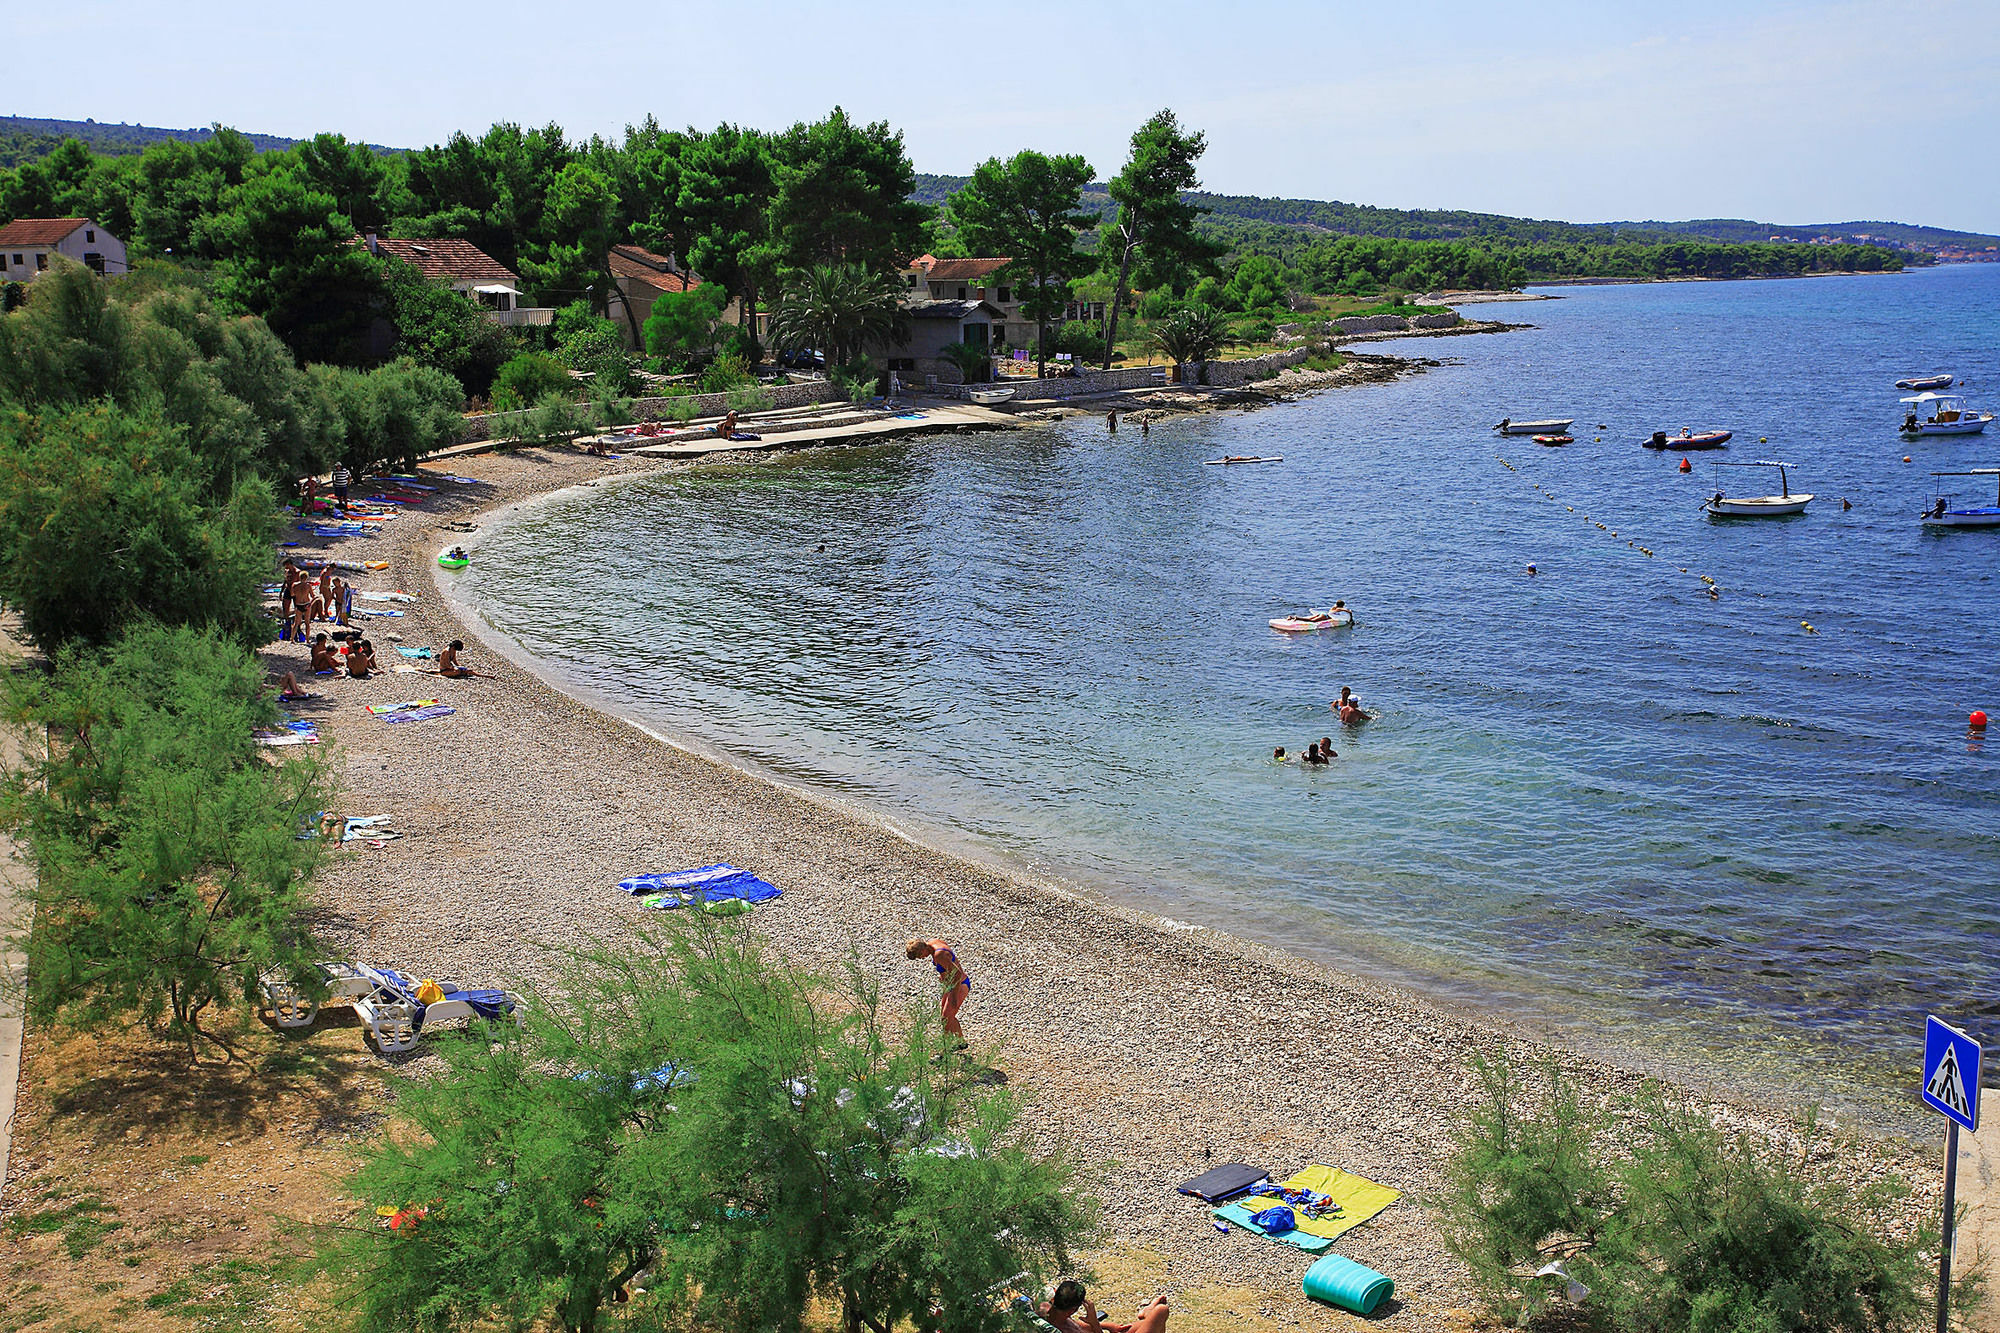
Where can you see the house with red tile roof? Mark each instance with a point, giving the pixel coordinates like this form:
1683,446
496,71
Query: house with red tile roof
642,277
928,278
27,245
482,279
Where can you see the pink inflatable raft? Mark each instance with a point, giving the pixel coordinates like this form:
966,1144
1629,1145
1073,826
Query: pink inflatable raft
1327,620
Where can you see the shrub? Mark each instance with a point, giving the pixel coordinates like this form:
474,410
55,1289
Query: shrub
590,343
394,415
529,378
726,372
684,408
751,398
105,519
169,876
760,1139
553,420
684,326
1081,340
973,361
1672,1223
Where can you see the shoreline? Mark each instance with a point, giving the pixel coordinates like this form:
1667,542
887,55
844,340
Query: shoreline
520,811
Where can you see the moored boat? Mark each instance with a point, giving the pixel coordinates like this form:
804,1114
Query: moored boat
996,395
1942,414
1944,514
1787,501
1938,381
1689,439
1509,426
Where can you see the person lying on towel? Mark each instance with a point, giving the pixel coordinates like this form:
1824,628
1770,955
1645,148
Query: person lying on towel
1071,1311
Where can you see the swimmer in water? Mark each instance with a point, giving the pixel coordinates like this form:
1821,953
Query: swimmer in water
1326,749
1278,756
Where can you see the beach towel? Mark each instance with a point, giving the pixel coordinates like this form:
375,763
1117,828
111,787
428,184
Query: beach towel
420,714
405,669
1358,1200
371,611
1298,1240
385,597
1221,1183
719,888
678,879
379,709
419,653
287,738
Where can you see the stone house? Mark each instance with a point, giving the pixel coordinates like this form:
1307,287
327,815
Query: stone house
928,278
482,279
27,243
642,277
935,325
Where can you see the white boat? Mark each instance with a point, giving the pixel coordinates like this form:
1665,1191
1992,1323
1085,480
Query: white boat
1786,501
1508,426
1941,414
989,395
1942,380
1944,514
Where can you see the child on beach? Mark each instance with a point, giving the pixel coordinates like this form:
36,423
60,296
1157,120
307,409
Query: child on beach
951,975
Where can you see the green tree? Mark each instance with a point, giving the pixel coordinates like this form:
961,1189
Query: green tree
1193,335
1026,209
728,182
529,378
179,185
843,196
588,342
394,415
840,310
354,175
288,254
56,186
1153,219
683,326
436,326
168,872
582,220
751,1138
492,191
105,519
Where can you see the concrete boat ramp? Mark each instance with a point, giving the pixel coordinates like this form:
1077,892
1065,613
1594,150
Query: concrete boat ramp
803,431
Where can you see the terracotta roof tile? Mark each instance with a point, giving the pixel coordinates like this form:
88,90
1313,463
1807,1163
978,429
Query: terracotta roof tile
449,257
656,271
961,270
39,231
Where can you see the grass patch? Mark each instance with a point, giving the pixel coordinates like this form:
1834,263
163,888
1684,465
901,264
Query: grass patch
81,1218
195,1159
228,1295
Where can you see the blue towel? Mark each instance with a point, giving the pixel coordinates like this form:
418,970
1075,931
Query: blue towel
678,879
414,652
740,885
1276,1221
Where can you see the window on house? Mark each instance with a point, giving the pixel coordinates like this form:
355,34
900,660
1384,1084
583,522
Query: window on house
961,293
1006,296
93,261
89,236
19,262
910,278
3,263
937,291
41,262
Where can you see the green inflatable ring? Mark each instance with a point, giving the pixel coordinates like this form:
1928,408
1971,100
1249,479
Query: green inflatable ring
450,563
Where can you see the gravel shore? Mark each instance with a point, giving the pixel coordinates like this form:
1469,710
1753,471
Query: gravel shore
1146,1044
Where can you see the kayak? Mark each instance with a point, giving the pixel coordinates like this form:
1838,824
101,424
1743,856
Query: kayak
1300,624
1240,458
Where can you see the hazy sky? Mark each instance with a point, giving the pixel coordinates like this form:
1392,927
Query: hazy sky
1700,108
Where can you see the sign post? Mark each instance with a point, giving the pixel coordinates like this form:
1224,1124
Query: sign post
1951,1087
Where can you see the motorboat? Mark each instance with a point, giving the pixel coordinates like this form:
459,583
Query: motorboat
1337,618
1942,380
1786,501
1941,414
1553,441
1509,426
987,397
1944,514
1689,439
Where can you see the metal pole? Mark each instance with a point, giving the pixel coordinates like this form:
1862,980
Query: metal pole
1950,1206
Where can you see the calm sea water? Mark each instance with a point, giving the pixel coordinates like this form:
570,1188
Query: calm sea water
1673,824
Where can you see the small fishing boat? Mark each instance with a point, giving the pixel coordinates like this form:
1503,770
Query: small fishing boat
1241,458
1941,414
1915,382
1944,514
1786,501
1551,441
986,397
1314,620
1509,426
1689,439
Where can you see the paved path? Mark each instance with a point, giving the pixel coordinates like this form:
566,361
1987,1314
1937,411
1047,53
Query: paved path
918,422
14,874
1979,1191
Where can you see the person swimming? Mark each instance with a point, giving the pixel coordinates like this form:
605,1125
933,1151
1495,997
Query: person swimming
1279,756
1326,748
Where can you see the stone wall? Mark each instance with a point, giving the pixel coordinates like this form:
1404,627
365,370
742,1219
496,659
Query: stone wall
1230,374
1444,319
495,425
1085,383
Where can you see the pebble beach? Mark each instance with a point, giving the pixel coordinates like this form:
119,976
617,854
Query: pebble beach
1149,1046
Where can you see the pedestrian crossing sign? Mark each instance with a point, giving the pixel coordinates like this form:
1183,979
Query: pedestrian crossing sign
1951,1073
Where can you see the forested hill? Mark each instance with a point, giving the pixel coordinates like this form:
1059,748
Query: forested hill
25,138
1250,221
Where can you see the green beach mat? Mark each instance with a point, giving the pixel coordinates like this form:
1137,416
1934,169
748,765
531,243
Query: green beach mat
1237,1214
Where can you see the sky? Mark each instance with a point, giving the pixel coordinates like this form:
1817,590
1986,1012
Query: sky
1789,113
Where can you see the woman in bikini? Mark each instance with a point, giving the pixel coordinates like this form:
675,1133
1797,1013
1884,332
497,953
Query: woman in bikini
951,975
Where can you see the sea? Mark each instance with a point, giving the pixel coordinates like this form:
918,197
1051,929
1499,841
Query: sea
1695,793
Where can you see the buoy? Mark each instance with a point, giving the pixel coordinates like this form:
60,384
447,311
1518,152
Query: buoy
1978,719
1686,466
1906,458
1807,624
1845,504
1763,439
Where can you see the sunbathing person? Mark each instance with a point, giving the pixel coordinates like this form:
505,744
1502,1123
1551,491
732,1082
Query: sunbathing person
448,662
1071,1311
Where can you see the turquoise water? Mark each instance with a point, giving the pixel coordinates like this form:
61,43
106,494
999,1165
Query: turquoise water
1669,823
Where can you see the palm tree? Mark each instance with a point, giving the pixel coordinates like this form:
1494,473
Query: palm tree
1195,333
973,360
839,310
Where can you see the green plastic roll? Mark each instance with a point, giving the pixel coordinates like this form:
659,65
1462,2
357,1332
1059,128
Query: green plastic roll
1340,1281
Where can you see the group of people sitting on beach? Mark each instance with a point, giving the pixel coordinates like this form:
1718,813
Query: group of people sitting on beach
306,598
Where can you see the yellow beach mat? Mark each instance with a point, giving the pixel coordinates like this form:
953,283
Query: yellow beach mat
1359,1200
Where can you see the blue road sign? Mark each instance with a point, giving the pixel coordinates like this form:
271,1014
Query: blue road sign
1951,1073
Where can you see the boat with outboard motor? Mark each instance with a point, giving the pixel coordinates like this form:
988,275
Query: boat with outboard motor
1509,426
1786,501
1941,414
1944,515
1689,439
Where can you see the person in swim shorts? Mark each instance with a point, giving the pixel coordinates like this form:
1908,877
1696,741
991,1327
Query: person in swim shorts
951,976
448,662
1070,1310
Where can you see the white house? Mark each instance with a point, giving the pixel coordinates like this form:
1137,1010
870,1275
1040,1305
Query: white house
482,279
27,243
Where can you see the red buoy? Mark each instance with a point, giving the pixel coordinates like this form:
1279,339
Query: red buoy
1686,466
1978,719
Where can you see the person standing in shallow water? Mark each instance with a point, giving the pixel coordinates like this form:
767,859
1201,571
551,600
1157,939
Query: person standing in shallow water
952,976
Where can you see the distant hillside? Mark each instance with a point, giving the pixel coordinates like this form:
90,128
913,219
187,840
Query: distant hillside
25,138
1251,221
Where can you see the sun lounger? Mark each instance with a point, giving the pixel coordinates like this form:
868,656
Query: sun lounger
395,1006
